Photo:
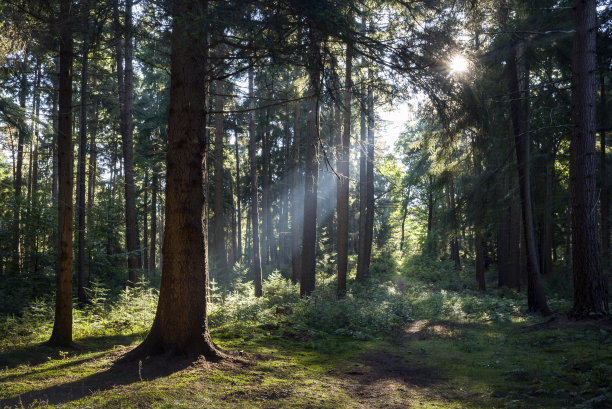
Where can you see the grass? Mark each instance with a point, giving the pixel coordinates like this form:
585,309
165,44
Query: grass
416,338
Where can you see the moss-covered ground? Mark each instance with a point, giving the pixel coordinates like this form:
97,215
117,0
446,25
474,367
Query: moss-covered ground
452,353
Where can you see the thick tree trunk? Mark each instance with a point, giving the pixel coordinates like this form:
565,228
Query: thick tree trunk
181,326
309,236
519,116
220,252
82,295
513,278
548,239
62,326
254,211
343,149
590,288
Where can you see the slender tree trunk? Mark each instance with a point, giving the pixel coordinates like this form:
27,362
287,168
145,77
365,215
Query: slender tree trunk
309,236
295,199
361,270
343,148
590,287
519,116
605,191
62,326
220,252
82,295
23,89
180,326
266,239
254,211
369,227
283,241
548,238
152,251
145,222
454,233
239,215
478,222
127,126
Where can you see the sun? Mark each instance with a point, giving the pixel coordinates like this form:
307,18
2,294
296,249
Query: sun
459,63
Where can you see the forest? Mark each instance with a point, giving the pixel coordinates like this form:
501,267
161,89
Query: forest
305,204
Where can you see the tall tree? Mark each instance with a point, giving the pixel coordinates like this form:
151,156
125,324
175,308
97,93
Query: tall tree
254,201
180,325
343,149
125,85
309,235
62,326
220,252
590,288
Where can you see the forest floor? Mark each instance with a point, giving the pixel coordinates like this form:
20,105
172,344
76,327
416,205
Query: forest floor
531,362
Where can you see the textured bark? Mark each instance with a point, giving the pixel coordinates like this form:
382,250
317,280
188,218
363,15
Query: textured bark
548,239
254,211
513,277
80,194
590,288
519,117
284,242
62,326
180,326
220,252
343,149
309,236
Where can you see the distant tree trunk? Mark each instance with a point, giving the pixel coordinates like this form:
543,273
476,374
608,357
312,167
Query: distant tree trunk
265,194
145,222
152,250
454,233
127,128
478,219
430,205
220,252
62,326
180,326
547,245
54,151
283,241
361,270
18,182
369,227
605,191
238,210
590,288
82,295
513,278
405,203
295,202
343,149
254,211
519,116
309,236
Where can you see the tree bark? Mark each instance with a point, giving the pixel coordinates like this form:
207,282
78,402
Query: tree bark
369,226
254,202
309,236
220,251
295,202
127,128
478,218
238,210
62,326
590,288
180,326
519,117
343,148
82,295
152,251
